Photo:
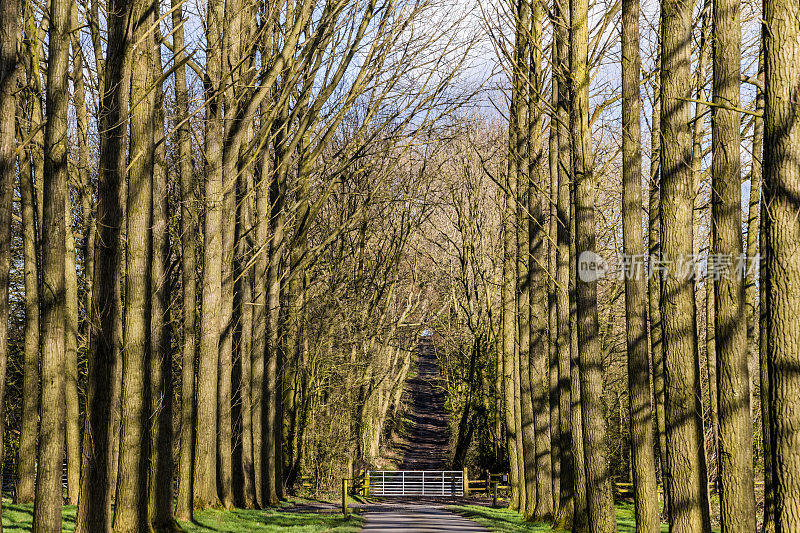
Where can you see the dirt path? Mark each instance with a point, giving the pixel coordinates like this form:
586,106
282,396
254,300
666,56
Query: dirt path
426,447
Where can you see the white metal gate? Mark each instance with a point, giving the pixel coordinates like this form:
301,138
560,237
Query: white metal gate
414,483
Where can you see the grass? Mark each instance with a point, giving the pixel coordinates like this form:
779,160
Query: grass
19,518
263,521
507,521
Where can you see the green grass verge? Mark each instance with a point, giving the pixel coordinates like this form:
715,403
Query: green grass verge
507,521
19,519
263,521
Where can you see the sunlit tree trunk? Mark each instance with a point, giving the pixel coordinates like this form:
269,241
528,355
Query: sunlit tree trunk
687,507
599,499
782,240
205,462
160,493
735,445
29,422
94,502
560,121
524,233
189,207
131,502
9,17
641,409
48,500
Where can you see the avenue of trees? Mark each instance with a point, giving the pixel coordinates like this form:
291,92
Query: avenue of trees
224,224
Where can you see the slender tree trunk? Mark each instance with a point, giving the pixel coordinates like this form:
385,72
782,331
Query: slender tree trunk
560,121
509,318
641,410
580,522
735,445
260,318
9,17
73,430
756,177
29,422
684,428
160,488
272,422
599,498
205,465
538,232
48,501
782,240
183,506
247,305
654,293
524,233
131,502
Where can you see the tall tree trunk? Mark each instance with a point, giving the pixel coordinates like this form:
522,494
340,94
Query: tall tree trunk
205,465
684,427
160,486
73,424
654,297
509,318
524,233
94,505
261,260
247,305
580,522
184,502
599,498
29,421
538,232
9,17
641,409
272,419
560,121
735,445
782,240
48,501
131,502
756,177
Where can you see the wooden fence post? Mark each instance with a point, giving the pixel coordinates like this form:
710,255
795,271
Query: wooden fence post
466,482
494,494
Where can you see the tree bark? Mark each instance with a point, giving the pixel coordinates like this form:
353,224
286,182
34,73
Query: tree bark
735,445
48,500
73,423
184,501
94,505
560,121
29,422
538,232
9,17
683,425
160,493
524,233
509,319
641,409
131,502
599,499
205,464
781,243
